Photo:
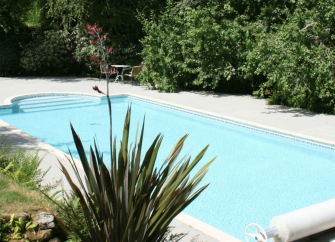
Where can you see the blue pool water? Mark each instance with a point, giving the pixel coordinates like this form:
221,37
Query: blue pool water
255,177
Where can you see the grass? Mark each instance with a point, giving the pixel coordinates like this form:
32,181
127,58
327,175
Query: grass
15,198
20,178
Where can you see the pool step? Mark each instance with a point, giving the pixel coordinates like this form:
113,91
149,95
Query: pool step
50,103
53,105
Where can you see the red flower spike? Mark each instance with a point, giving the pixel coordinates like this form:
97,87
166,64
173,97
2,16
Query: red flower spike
110,49
96,88
88,27
94,59
112,70
99,30
103,37
91,32
94,42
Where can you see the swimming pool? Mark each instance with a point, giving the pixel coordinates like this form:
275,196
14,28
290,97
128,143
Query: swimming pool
258,174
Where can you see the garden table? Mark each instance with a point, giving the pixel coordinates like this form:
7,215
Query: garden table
124,67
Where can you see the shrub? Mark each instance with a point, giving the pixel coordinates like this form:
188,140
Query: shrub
9,53
297,58
194,48
22,166
4,230
46,54
15,229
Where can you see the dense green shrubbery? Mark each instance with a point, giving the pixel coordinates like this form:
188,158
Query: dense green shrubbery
283,50
9,53
297,58
193,47
43,25
46,54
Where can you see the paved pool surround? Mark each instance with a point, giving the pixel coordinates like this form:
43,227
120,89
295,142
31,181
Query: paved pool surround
241,108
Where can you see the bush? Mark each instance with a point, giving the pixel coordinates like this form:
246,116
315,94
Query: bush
280,50
190,47
9,54
22,166
46,54
298,58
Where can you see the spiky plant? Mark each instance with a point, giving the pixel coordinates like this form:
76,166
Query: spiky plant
133,199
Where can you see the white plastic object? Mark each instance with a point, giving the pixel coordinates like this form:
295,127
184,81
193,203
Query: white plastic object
304,222
259,236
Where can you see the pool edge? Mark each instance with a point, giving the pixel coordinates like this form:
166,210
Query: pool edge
40,144
8,101
206,228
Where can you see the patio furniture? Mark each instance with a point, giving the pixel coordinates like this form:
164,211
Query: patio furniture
124,67
102,70
135,70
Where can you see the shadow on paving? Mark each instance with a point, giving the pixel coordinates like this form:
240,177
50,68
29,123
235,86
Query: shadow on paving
284,109
57,79
69,79
216,94
18,141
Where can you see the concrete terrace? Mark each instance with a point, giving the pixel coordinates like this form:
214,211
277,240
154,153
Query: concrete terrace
241,108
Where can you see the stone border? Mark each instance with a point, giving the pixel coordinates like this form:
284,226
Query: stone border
40,144
9,101
206,228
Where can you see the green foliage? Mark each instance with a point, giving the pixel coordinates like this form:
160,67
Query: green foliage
132,200
4,230
283,50
189,47
69,202
18,227
15,229
13,14
5,149
68,13
22,166
9,53
35,59
39,22
298,58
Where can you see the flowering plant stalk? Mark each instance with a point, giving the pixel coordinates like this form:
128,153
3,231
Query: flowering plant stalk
98,41
133,200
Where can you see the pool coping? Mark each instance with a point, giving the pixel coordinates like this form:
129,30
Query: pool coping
187,219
